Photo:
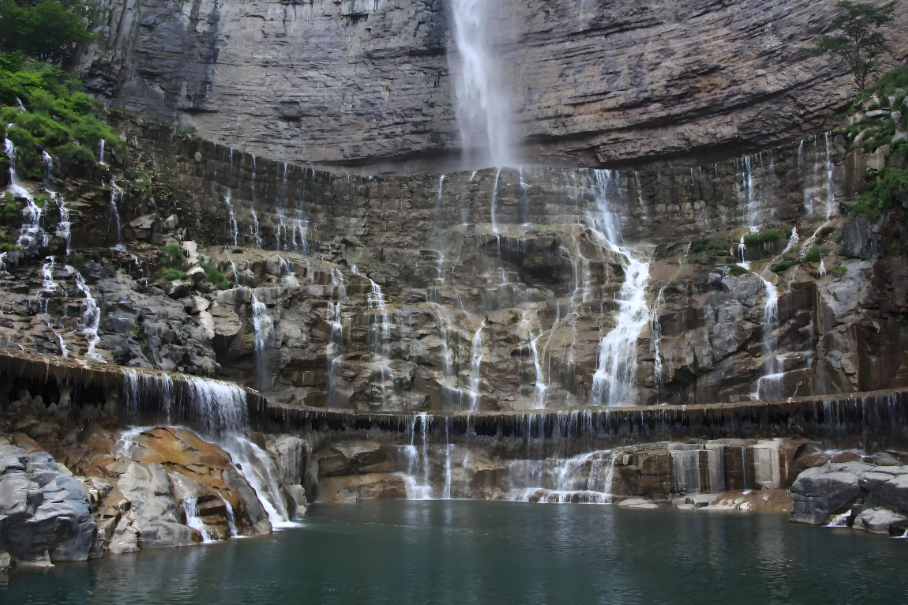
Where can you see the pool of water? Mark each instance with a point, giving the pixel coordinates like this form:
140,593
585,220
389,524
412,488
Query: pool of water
478,552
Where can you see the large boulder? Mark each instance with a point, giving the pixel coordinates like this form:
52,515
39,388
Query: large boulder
43,509
881,521
152,514
823,491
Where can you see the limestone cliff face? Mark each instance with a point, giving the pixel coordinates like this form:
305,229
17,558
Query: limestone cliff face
368,82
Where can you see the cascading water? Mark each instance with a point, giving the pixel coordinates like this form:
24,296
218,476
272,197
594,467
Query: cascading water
830,183
31,225
769,385
416,477
616,372
476,368
217,410
114,229
585,478
379,343
90,318
483,106
264,336
335,352
234,228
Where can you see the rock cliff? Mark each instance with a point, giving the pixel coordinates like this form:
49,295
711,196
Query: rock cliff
369,82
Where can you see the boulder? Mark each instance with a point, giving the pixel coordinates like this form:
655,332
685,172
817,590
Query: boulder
152,510
361,488
822,491
881,521
43,508
858,238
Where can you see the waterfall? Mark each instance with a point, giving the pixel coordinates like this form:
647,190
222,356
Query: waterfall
31,225
656,331
616,372
541,387
264,335
335,352
65,224
234,229
830,183
416,477
219,411
90,318
255,219
492,210
476,368
585,478
114,230
483,106
101,152
379,342
769,385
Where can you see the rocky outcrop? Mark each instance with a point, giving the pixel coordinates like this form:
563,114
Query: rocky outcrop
871,497
604,82
45,513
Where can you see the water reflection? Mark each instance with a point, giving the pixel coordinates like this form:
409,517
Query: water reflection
475,552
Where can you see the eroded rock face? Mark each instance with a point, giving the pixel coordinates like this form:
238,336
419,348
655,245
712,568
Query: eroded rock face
664,91
44,510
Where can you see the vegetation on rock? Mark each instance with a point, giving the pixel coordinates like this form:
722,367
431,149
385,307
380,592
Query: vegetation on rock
859,41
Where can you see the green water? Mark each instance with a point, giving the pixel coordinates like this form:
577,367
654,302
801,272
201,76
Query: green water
478,552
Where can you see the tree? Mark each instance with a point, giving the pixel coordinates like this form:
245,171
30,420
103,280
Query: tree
46,30
860,41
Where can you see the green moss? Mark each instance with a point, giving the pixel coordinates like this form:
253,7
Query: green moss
814,256
840,270
779,267
737,271
215,277
76,259
171,275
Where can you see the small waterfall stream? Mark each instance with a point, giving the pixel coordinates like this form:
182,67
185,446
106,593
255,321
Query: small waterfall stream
616,372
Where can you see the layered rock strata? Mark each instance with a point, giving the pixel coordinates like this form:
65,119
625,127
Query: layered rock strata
371,82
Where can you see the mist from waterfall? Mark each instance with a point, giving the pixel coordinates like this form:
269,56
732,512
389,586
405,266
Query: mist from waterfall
483,104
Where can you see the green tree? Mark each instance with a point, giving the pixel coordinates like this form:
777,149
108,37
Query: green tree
860,40
46,30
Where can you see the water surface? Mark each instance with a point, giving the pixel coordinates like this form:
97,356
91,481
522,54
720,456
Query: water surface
478,552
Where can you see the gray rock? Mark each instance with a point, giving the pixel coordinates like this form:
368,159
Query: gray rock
820,492
254,509
45,510
880,521
152,511
858,238
893,493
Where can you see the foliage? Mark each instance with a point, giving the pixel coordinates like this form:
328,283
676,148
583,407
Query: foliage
58,120
877,196
779,267
171,275
860,41
770,235
840,270
173,256
217,279
814,256
717,247
48,31
887,85
825,231
10,212
737,271
699,245
77,259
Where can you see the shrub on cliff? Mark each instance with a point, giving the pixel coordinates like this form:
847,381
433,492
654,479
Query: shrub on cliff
858,40
814,256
